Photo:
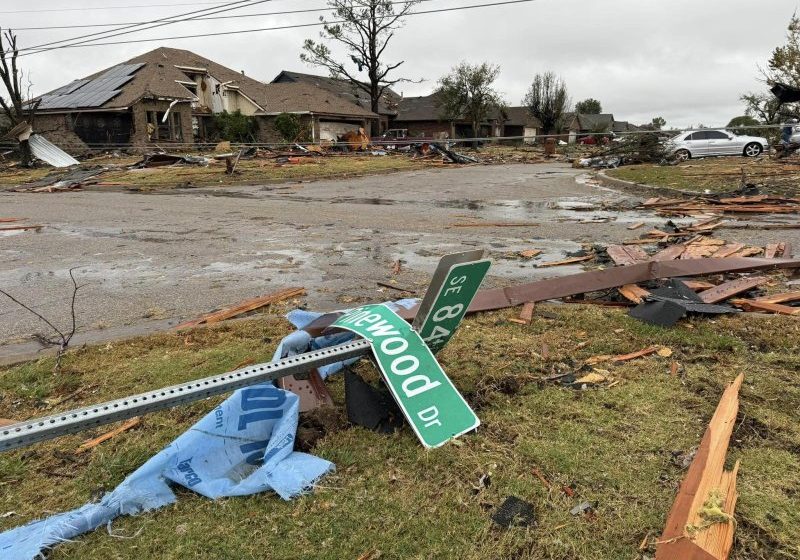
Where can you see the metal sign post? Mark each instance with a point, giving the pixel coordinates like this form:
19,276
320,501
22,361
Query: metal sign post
441,294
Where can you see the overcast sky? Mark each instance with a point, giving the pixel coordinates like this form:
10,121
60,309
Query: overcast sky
686,60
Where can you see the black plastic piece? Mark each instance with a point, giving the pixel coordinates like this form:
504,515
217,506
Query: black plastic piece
514,512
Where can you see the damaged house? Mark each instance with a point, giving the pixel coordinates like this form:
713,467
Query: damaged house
387,110
170,96
580,125
421,117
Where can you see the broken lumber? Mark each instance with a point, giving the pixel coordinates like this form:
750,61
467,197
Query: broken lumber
637,354
730,289
529,253
243,307
21,228
669,254
526,314
94,442
623,255
571,260
637,225
780,298
633,293
766,307
691,533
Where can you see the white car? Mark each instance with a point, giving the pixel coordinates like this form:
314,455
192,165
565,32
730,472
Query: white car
702,143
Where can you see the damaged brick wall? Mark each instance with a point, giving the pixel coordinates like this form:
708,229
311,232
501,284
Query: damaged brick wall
426,129
267,133
139,132
57,128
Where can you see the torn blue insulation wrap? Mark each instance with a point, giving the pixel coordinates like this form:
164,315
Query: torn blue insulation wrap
243,446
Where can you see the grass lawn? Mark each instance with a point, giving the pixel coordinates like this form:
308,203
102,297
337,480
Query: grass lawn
614,446
248,172
719,174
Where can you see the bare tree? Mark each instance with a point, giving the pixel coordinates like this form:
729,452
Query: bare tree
61,338
364,28
14,105
547,100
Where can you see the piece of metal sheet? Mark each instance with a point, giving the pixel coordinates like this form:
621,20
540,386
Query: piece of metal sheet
48,152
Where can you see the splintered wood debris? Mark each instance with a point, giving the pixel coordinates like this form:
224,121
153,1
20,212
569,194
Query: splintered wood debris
701,523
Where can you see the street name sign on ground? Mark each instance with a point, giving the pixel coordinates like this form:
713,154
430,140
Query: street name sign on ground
430,402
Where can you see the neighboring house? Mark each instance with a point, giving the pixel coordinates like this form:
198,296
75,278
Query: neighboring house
347,91
520,122
169,96
327,115
579,125
421,116
621,127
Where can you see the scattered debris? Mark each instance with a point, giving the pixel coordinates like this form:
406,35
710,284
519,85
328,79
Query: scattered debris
582,508
162,160
393,287
529,253
94,442
243,307
700,523
49,153
571,260
371,407
514,512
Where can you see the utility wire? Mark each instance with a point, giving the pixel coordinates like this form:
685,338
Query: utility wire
234,16
109,8
157,23
282,27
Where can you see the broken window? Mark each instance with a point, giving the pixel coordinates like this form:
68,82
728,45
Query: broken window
157,129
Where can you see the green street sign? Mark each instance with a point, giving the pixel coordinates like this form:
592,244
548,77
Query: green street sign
430,402
452,300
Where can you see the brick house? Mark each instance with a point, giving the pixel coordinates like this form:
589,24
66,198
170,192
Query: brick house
169,96
579,125
421,116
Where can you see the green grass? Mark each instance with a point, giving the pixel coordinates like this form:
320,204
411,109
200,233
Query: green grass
613,445
721,174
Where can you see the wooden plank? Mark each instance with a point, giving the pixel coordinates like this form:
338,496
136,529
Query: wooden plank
633,293
9,220
698,285
572,260
756,305
669,254
727,250
92,443
637,225
622,255
243,307
705,474
730,289
529,253
780,298
526,314
771,250
748,252
21,228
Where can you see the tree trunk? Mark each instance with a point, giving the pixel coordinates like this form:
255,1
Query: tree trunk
26,156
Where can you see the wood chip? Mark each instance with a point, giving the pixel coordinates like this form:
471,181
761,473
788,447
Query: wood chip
633,293
572,260
698,285
530,253
526,315
92,443
727,250
637,354
637,225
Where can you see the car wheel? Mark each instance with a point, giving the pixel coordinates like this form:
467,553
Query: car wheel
752,150
682,155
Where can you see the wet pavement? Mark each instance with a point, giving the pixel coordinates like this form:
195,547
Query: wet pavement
148,260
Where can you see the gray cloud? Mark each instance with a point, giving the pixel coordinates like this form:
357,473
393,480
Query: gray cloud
686,60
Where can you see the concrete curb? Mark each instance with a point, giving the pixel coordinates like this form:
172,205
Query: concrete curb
623,184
